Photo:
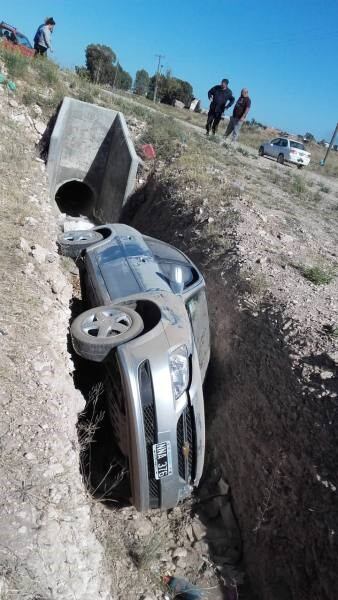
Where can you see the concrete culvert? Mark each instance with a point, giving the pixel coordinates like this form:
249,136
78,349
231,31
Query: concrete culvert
75,198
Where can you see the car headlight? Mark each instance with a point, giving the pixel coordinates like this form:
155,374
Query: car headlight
179,370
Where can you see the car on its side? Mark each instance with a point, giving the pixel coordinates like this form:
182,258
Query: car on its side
148,324
14,40
286,150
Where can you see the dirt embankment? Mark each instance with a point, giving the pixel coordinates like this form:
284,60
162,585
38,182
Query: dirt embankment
271,406
47,547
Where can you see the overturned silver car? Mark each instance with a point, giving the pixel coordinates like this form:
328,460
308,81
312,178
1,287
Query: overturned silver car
149,326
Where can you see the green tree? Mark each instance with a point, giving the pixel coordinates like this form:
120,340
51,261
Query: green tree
170,89
310,137
99,62
122,79
141,83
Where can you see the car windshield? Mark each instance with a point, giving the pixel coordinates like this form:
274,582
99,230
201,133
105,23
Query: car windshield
198,313
21,39
297,145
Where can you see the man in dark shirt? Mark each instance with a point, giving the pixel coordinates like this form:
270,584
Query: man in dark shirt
241,110
222,99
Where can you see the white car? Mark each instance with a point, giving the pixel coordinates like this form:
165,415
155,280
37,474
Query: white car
285,150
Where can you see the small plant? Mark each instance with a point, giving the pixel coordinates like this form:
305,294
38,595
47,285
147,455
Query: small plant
317,275
324,188
317,197
274,177
165,135
242,151
298,185
269,492
29,97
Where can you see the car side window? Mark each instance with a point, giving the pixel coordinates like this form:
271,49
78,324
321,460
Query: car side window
284,143
275,142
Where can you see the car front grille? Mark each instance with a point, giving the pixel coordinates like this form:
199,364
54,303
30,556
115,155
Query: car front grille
186,445
150,430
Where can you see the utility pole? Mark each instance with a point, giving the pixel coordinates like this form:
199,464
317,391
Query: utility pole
322,162
159,56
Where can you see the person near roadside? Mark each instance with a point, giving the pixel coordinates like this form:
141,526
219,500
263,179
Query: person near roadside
43,37
239,114
221,99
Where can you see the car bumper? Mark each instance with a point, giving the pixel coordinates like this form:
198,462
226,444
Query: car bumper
154,417
299,160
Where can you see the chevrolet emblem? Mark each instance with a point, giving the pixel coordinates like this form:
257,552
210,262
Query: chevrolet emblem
186,450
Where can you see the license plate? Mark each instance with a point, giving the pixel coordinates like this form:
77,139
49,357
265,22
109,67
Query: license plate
162,460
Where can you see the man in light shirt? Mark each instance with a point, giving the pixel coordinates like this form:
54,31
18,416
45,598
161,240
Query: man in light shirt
239,115
43,37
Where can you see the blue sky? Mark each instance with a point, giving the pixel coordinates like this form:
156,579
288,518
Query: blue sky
286,53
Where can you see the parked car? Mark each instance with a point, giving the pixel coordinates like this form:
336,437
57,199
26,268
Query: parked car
148,323
14,40
285,150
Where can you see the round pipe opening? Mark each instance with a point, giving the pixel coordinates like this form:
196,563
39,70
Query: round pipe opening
75,198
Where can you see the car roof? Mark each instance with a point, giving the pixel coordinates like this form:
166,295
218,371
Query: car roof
13,29
283,137
10,27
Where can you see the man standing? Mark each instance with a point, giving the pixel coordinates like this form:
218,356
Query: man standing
241,110
42,39
222,99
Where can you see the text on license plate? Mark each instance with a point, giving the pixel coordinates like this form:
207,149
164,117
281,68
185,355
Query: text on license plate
162,460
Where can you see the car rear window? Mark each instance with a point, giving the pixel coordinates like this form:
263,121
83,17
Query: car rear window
297,145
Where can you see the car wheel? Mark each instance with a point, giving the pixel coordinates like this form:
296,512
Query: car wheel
97,330
300,166
72,243
280,159
261,151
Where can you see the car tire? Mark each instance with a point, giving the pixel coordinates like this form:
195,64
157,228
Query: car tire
98,330
71,243
300,166
261,151
280,159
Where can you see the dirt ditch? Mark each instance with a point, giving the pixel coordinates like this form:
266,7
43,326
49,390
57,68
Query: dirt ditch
272,434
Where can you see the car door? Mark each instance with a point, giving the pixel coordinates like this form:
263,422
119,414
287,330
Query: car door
274,147
284,148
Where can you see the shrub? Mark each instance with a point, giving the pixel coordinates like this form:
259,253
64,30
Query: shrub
165,134
29,97
317,275
298,185
47,71
16,63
